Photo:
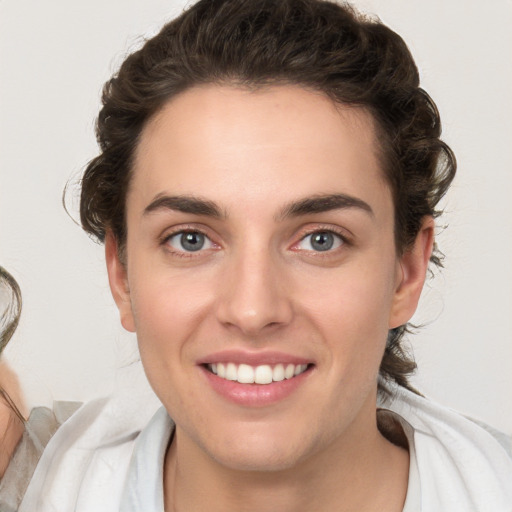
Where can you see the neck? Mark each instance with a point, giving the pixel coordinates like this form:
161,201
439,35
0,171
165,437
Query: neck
361,471
11,430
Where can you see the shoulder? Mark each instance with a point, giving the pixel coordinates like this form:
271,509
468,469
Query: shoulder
91,451
462,464
37,431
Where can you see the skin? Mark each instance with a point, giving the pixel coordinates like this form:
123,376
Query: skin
11,427
260,285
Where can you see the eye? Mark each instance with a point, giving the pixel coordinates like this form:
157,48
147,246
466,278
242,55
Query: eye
321,241
189,241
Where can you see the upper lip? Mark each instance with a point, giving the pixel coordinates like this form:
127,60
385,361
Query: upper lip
252,358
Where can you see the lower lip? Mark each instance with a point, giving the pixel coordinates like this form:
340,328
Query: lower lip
255,395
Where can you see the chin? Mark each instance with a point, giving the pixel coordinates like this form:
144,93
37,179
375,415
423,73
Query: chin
258,462
259,452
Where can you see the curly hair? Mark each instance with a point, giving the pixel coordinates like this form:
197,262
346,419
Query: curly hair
316,44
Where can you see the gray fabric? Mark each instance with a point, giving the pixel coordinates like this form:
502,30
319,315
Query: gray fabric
39,429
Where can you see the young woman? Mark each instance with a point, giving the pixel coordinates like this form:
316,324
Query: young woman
267,185
21,441
11,419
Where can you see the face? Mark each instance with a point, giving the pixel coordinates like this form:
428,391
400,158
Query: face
261,273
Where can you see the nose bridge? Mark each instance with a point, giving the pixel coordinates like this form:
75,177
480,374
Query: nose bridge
254,296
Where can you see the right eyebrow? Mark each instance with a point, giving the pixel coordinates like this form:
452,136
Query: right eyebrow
185,204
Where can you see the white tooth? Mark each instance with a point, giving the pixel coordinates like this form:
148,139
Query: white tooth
213,368
278,373
231,373
245,374
221,370
263,374
289,371
300,369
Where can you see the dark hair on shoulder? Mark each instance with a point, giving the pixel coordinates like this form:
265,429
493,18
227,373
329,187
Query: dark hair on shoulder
321,45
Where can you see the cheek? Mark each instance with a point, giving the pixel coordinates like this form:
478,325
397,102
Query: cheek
351,309
164,310
167,308
359,297
164,321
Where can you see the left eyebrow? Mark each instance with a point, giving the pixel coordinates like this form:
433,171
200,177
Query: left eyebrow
324,203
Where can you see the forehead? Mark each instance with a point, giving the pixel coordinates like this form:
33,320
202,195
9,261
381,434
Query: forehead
242,144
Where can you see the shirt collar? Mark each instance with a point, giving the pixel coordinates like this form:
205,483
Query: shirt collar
144,483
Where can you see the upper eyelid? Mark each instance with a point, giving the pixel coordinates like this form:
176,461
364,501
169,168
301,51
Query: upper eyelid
330,231
346,241
300,234
181,233
183,228
343,233
343,239
168,234
164,243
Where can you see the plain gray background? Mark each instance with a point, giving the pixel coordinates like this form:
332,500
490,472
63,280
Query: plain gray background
55,56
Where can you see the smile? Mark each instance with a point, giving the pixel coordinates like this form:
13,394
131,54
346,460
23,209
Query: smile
262,374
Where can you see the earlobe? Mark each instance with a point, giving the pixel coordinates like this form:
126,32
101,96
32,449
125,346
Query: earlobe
118,280
413,269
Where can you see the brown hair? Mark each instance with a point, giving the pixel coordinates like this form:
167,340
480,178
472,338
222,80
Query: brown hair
317,44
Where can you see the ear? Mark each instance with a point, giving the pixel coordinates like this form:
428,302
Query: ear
412,271
118,280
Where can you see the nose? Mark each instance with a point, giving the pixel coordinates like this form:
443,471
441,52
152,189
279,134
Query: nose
254,298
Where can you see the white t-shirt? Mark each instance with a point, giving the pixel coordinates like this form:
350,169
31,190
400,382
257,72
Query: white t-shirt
105,459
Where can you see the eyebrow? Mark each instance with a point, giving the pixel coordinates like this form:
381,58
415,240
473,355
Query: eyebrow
324,203
308,205
185,204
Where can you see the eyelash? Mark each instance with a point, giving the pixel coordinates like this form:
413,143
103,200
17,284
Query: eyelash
345,241
182,231
341,235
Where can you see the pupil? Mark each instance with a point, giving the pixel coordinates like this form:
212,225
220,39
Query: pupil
192,241
322,241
